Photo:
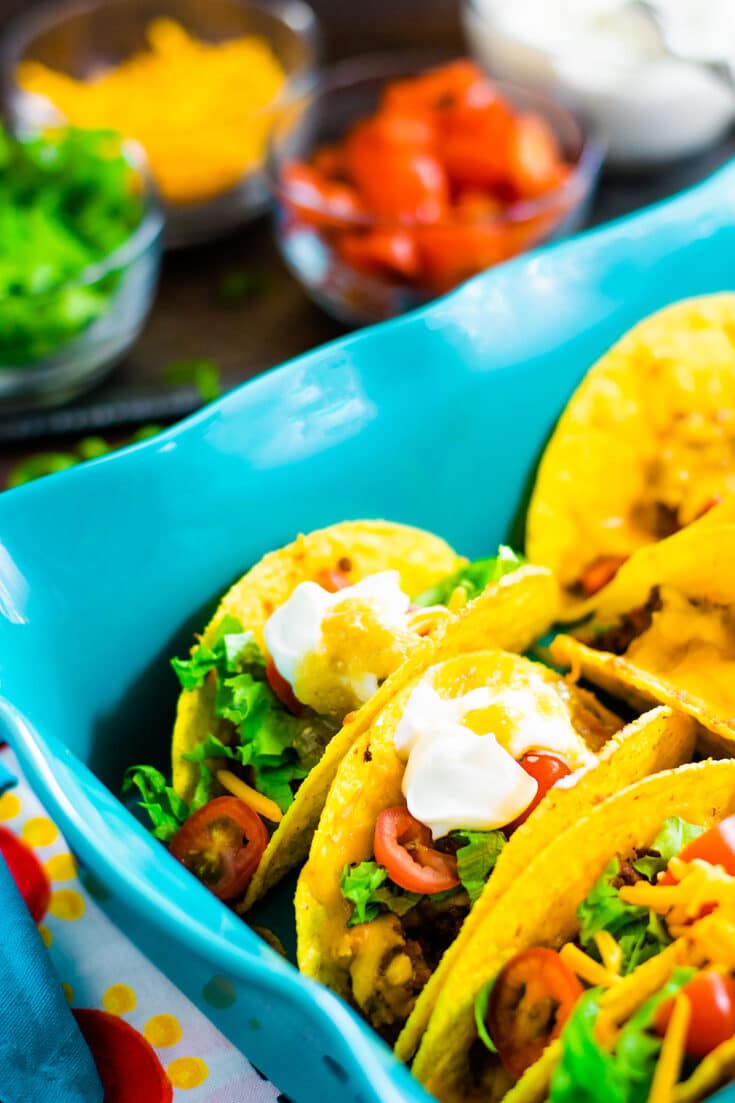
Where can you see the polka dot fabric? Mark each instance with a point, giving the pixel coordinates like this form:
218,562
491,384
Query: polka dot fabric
134,1015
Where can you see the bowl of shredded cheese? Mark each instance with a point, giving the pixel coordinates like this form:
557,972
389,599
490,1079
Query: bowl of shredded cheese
198,85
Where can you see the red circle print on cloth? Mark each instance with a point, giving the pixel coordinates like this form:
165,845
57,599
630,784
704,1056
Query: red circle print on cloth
27,872
127,1064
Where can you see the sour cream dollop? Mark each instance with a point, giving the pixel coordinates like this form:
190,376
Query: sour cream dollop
295,638
456,778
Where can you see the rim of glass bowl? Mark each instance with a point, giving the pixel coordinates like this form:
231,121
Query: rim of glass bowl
376,67
297,15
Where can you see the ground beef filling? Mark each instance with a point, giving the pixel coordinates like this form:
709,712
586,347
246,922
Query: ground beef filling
617,638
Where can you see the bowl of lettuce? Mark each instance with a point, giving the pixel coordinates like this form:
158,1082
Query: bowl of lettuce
80,246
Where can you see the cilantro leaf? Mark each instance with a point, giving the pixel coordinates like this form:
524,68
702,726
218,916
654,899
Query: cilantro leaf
587,1073
477,858
200,373
670,841
165,807
473,578
639,932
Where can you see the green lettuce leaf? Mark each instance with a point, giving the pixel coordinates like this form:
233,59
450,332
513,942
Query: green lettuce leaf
587,1073
232,648
640,932
477,858
473,578
166,809
670,841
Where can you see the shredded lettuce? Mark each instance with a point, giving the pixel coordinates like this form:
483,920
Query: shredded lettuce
231,648
473,578
165,807
670,841
587,1073
640,933
477,858
369,889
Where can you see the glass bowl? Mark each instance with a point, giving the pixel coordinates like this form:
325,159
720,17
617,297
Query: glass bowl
85,39
129,275
311,237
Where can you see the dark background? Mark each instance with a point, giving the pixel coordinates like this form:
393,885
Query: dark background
189,320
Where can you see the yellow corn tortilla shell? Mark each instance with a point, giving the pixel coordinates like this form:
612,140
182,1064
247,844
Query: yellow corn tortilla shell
653,421
539,908
687,658
654,742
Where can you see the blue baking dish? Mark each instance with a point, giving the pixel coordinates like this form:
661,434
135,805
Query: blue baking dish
435,419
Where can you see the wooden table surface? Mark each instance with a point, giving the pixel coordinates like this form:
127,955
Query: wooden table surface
190,320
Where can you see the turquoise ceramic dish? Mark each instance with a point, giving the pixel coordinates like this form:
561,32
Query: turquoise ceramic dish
435,419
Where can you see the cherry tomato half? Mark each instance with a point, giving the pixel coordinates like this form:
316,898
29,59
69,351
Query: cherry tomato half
546,770
282,689
221,844
403,847
27,872
532,998
711,997
716,846
126,1062
599,572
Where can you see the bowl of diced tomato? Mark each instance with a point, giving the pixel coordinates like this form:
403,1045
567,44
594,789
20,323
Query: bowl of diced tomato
394,182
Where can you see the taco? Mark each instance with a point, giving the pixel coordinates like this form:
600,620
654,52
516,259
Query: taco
645,446
426,819
301,654
598,922
664,631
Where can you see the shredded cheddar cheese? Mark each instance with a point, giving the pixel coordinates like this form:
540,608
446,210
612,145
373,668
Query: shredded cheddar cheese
196,107
701,887
668,1067
586,967
610,951
264,806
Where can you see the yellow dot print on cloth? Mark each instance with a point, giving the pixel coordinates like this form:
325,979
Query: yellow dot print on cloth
46,937
66,904
10,806
187,1072
40,831
61,867
68,991
163,1030
119,999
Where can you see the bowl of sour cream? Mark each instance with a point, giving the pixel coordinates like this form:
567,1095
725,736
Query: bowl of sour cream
610,60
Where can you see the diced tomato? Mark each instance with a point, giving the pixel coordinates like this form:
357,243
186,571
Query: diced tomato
315,199
27,872
599,572
127,1064
222,844
711,997
403,847
451,253
459,82
532,998
546,770
330,161
716,846
402,185
332,579
475,145
381,251
534,157
387,132
475,205
283,689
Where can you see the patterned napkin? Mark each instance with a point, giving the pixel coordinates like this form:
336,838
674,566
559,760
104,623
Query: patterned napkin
167,1039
